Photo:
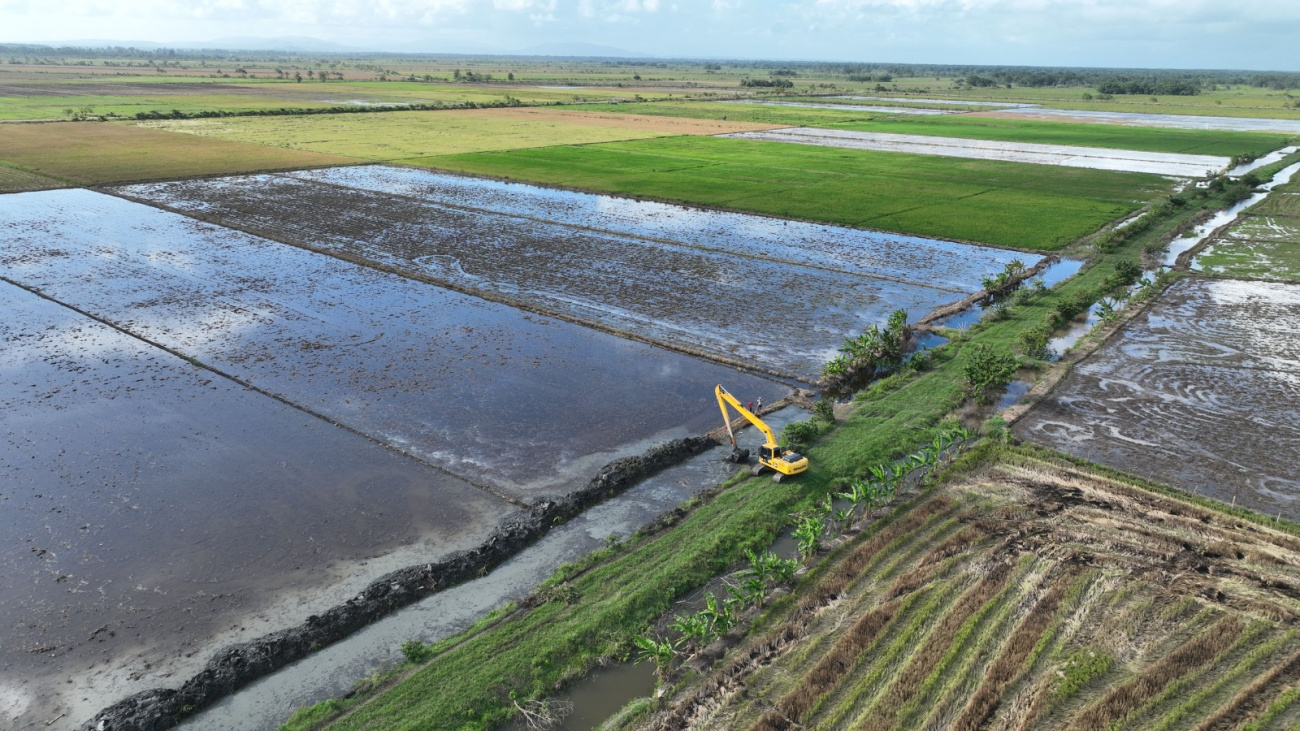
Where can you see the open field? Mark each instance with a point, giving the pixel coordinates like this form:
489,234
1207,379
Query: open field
13,180
1148,118
399,135
151,505
1096,158
780,116
1011,204
95,153
1186,141
825,284
1025,592
1198,392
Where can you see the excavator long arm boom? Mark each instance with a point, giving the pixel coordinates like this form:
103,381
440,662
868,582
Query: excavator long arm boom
724,399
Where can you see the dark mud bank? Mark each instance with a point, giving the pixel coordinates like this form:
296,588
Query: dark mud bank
239,665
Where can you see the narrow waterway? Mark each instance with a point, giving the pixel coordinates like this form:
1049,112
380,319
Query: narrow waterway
334,670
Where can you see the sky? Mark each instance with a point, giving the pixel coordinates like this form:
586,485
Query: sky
1240,34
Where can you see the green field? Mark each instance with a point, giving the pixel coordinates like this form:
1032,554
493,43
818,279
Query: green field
759,113
13,180
95,152
408,134
1030,206
1264,244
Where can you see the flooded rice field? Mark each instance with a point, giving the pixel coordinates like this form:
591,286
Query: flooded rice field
1263,246
706,282
208,436
1134,161
1262,200
1142,119
521,403
918,111
150,505
1198,391
334,670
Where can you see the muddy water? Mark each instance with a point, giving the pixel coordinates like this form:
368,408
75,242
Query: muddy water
521,404
149,505
1176,121
1199,391
729,293
333,671
1159,163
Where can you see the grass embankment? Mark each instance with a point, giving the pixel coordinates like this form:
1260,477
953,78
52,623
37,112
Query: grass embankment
468,681
94,153
1037,207
1027,591
388,136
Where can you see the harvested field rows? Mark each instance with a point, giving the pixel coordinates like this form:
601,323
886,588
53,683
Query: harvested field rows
93,153
1097,158
716,283
529,405
1029,594
1199,391
149,505
402,135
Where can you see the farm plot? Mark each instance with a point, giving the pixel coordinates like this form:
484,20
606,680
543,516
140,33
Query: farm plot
1200,391
918,111
1036,207
1159,163
91,152
13,180
150,505
1025,593
1143,119
400,135
521,404
1261,246
733,290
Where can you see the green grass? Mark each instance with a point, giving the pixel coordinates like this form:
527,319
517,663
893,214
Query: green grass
758,113
1030,206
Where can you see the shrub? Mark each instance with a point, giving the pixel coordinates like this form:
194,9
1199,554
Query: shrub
1033,343
987,370
416,652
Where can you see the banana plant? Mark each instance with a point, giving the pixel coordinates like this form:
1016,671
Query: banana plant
809,535
660,652
694,629
719,614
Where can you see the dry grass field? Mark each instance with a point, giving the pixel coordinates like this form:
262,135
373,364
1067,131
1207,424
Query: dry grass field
400,135
1027,593
94,153
13,180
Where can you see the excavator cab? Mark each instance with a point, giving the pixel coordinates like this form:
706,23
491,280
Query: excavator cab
783,462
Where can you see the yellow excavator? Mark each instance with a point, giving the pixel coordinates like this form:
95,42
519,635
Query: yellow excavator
771,455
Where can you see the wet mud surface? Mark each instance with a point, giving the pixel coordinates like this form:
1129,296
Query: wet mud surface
1201,391
1096,158
520,404
707,282
1141,119
149,505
